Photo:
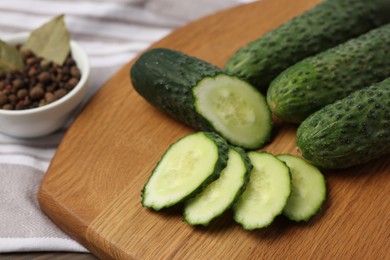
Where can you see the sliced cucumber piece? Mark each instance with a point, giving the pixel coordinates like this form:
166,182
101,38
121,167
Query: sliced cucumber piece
188,166
235,109
266,193
308,190
222,193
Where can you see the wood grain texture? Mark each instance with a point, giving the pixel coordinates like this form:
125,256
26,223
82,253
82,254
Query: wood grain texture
92,187
47,256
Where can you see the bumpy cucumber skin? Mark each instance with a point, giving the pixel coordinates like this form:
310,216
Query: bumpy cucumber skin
321,28
249,167
221,163
322,79
165,78
350,131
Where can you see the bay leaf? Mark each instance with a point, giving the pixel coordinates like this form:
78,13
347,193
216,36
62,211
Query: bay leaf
10,57
50,41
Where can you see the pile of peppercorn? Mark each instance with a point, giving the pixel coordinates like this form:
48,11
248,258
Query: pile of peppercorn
41,82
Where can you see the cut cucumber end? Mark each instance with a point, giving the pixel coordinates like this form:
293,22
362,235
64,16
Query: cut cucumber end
219,195
235,109
187,165
308,189
266,193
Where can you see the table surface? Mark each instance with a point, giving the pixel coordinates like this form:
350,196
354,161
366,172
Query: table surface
48,255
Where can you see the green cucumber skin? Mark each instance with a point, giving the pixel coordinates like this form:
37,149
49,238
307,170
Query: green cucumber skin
331,75
324,26
165,78
350,131
249,167
221,163
223,151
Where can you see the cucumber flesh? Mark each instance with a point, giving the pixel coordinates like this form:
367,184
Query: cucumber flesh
187,165
220,194
266,193
235,109
308,189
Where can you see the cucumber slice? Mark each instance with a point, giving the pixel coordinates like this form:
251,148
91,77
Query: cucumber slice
222,193
266,193
188,166
308,189
235,109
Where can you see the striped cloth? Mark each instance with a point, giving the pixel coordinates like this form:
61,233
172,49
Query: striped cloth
112,32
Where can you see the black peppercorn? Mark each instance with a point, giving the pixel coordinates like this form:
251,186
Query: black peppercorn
44,77
13,99
22,93
59,93
3,98
75,72
39,83
37,92
70,61
32,72
49,97
8,107
72,83
17,84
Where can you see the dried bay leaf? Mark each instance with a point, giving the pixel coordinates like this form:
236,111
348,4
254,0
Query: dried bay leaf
10,57
50,41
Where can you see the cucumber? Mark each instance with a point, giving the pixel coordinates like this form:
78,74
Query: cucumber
324,26
186,168
308,191
266,193
221,194
351,131
331,75
203,96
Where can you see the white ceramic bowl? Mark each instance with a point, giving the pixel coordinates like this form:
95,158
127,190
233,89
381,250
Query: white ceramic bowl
46,119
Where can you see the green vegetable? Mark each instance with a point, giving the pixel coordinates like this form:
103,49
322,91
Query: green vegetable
203,96
331,75
351,131
222,193
308,191
325,26
185,169
266,193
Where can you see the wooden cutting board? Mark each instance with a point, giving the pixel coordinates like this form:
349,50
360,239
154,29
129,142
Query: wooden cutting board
93,185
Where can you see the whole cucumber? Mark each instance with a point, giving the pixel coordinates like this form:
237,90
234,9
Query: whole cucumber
351,131
325,26
331,75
